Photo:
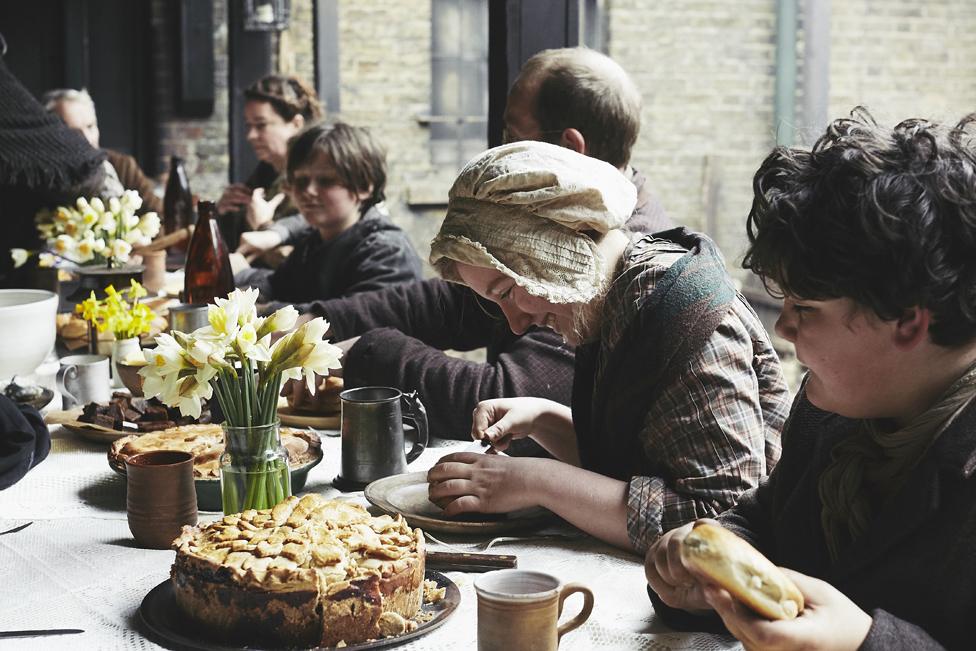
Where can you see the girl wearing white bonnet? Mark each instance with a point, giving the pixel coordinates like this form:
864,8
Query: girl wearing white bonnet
678,397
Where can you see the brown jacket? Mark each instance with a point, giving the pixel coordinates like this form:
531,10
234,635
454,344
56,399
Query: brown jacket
133,178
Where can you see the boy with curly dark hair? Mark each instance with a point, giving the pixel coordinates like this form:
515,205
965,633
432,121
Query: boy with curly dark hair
870,239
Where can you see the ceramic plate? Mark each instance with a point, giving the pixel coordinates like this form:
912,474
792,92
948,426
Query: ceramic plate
406,494
294,418
164,617
69,420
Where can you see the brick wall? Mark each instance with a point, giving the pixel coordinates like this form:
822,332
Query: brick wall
706,72
903,58
706,69
202,143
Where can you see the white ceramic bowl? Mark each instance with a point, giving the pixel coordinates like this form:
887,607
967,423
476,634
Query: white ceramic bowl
27,329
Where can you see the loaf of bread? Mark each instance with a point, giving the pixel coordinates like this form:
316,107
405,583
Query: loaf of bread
737,566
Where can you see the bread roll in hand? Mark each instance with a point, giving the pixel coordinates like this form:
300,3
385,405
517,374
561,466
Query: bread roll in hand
737,566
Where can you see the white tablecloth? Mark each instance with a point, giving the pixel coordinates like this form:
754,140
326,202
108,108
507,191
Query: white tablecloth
76,566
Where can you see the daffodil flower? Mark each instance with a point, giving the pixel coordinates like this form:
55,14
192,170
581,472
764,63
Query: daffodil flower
19,257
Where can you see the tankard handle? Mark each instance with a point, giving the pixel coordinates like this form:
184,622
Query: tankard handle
418,414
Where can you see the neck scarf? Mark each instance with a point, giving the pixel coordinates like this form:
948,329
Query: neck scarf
868,468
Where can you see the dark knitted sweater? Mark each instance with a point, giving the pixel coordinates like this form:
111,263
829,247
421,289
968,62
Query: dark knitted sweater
913,571
429,317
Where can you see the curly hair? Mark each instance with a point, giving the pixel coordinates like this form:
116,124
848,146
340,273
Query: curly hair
885,217
288,96
359,160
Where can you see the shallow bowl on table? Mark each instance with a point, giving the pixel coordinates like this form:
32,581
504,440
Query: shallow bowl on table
27,329
129,374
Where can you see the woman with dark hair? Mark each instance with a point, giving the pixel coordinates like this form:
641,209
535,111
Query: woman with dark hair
869,238
337,177
276,108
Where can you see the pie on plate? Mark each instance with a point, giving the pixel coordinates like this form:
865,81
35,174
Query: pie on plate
308,572
206,444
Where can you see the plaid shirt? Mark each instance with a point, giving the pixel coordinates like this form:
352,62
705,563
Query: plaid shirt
714,431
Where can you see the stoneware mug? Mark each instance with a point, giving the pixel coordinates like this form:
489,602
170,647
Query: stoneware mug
372,434
160,496
520,609
83,379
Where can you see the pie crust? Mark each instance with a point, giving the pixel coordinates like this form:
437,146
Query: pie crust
308,572
206,443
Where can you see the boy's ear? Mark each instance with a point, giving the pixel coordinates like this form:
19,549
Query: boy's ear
573,139
912,328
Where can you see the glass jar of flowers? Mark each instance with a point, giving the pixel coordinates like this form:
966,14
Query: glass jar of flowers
121,314
233,359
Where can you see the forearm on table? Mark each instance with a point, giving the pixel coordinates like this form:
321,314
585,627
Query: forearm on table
554,431
592,502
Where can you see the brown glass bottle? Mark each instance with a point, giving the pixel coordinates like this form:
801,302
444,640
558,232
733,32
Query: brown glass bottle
207,274
178,200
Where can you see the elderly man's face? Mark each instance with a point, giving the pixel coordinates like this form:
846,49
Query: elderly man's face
80,116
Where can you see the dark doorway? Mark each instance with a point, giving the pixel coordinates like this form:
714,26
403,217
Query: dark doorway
102,45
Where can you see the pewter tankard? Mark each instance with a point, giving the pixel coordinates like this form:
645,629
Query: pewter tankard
372,434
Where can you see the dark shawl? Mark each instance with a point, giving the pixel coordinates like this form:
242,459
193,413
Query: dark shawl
672,325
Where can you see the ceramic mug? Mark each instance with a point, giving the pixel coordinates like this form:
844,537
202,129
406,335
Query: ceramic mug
160,496
83,379
520,609
372,433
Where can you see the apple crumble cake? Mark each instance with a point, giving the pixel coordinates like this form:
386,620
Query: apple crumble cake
308,572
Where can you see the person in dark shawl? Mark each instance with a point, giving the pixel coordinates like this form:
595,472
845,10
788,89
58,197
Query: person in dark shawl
869,239
678,396
24,440
43,164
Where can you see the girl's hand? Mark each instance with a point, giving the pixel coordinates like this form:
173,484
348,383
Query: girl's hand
261,211
466,482
829,621
503,419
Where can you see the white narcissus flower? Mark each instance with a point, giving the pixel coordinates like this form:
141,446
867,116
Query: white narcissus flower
45,260
131,200
243,302
165,358
283,319
107,223
19,256
81,204
149,224
85,250
89,217
98,245
131,221
97,204
64,245
189,393
121,250
223,323
114,205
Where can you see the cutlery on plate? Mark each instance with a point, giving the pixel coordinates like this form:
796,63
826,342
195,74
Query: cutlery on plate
39,633
16,529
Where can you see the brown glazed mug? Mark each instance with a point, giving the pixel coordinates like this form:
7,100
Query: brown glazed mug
160,496
519,610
